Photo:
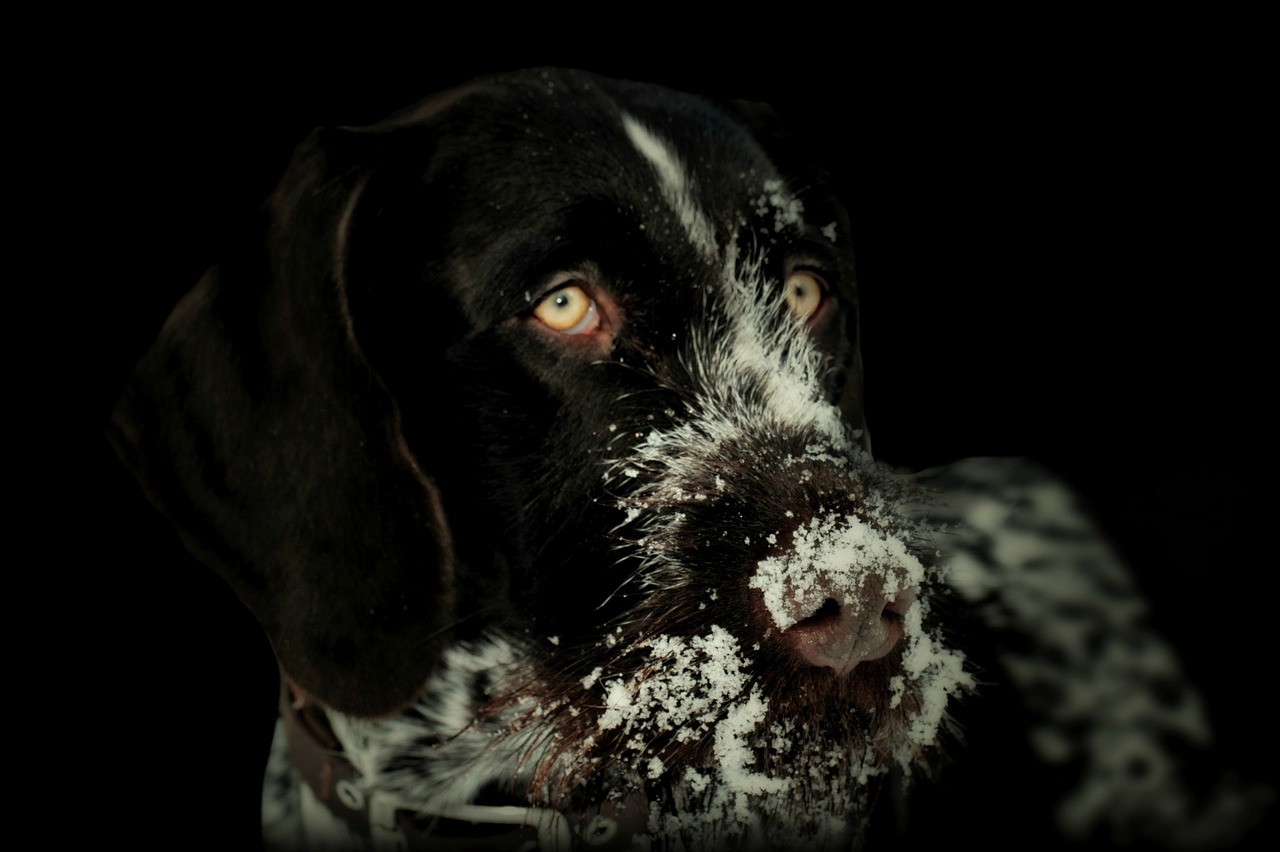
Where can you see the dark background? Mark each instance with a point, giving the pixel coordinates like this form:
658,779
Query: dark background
1056,248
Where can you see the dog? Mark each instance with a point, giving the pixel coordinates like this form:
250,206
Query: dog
530,426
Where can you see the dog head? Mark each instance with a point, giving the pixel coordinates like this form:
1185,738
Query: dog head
530,427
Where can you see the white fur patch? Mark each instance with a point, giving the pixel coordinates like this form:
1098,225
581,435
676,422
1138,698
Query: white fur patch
1109,691
677,188
447,774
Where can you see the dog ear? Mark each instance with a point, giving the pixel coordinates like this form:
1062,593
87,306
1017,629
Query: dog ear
257,425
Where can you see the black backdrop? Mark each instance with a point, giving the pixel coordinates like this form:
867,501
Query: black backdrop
1054,248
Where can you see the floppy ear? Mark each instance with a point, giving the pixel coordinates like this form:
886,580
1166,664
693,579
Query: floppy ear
792,157
256,424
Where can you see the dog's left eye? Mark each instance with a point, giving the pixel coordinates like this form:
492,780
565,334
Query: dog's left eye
804,294
568,310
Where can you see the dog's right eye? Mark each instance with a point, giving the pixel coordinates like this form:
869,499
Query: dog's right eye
568,310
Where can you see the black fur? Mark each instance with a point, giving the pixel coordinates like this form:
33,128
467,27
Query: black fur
359,423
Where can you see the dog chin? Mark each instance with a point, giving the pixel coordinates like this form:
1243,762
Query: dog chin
726,747
724,741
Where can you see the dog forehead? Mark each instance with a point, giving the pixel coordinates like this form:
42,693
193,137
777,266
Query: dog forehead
571,128
547,169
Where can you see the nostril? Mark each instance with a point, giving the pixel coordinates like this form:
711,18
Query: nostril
841,634
829,610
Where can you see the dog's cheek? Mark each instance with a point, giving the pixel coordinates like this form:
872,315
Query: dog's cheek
530,512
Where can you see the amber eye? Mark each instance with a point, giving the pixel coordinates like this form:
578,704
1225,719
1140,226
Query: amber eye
804,293
568,310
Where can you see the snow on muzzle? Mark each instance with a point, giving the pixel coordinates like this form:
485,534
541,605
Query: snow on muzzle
808,535
838,590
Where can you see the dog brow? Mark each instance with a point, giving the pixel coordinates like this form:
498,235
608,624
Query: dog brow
675,184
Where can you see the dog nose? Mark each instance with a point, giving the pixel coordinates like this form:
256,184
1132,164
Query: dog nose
842,633
837,588
851,626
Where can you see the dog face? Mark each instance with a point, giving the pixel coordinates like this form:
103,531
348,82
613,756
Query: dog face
531,429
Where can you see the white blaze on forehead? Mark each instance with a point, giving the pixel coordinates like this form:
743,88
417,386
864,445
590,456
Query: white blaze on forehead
763,345
675,183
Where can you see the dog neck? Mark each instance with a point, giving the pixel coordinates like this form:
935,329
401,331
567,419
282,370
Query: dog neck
320,761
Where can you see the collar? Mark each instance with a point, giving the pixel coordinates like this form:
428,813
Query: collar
317,757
